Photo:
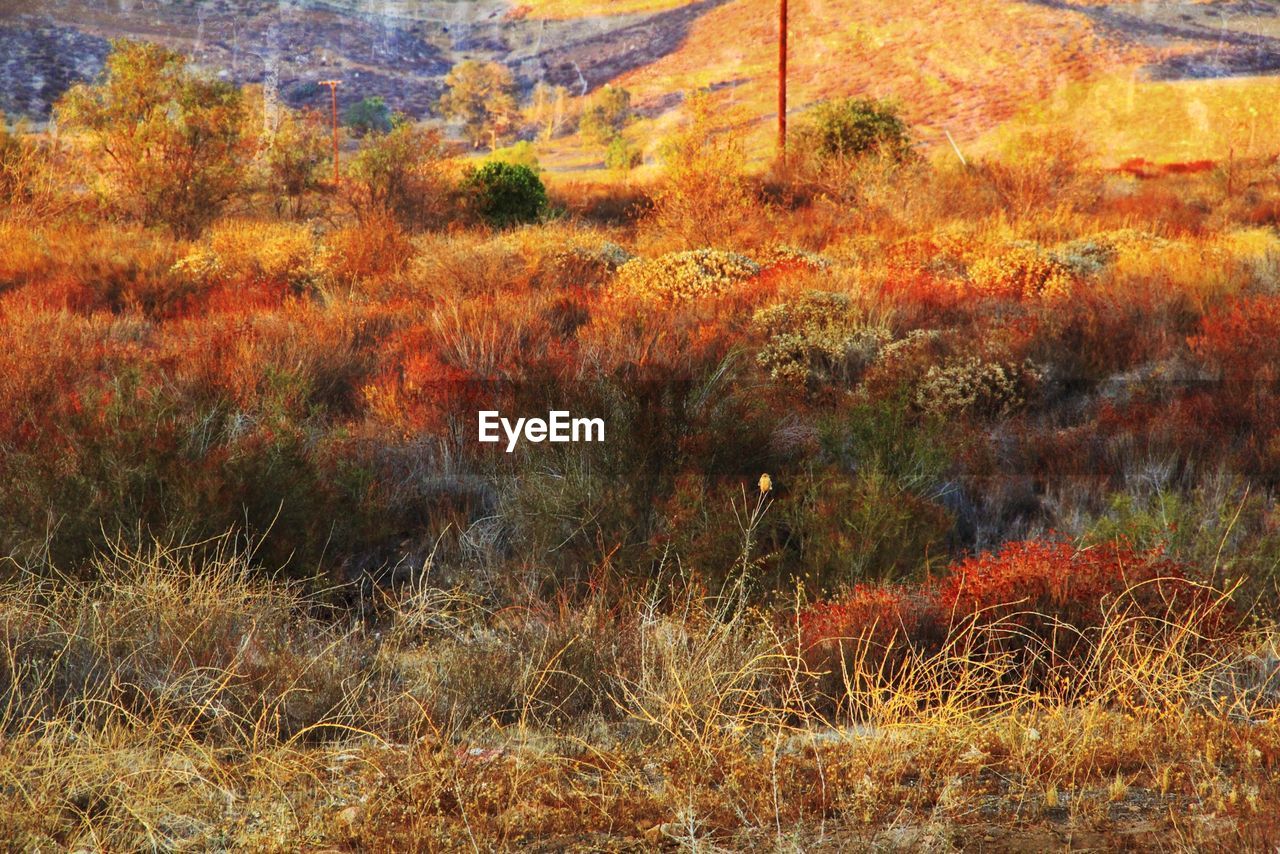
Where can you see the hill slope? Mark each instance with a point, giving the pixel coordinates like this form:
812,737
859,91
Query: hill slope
956,66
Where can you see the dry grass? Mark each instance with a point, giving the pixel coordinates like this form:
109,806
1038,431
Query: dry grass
179,702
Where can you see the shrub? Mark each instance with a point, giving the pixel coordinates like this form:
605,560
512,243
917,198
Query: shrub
865,526
402,174
1239,345
522,153
1023,272
816,338
507,194
1045,597
109,268
588,263
247,253
703,197
622,156
974,386
30,188
679,276
368,115
871,511
1041,603
1240,341
1039,169
374,249
782,257
1087,256
869,630
887,437
607,116
293,151
856,127
168,146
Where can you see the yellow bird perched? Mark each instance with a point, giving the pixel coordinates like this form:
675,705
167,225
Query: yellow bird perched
766,484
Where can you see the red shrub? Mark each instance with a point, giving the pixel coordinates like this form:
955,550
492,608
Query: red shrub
1037,600
1242,340
1035,583
871,629
868,611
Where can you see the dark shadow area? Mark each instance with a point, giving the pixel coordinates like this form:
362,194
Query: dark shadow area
593,61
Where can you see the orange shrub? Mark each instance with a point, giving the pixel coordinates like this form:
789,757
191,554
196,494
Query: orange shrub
374,249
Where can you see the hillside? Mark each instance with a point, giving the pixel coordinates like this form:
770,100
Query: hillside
957,67
953,67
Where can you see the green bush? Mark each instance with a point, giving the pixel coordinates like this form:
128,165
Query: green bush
874,512
370,115
522,153
607,116
857,127
508,193
621,156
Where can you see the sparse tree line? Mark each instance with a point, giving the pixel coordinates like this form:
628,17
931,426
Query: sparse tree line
153,141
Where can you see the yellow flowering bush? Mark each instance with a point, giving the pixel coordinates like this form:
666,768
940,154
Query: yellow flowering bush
686,275
818,337
1023,272
781,255
974,386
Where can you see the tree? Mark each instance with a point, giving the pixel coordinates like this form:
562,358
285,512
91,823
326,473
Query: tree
294,150
482,95
401,173
548,110
369,115
621,156
607,115
168,146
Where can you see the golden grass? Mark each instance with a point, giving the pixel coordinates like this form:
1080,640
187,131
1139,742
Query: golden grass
182,703
1123,117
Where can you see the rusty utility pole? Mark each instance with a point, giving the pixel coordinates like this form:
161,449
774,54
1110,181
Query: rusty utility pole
333,91
782,81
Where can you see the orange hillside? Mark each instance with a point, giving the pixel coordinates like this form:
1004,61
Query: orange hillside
955,65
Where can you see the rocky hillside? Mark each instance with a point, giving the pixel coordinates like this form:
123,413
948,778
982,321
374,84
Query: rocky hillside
399,50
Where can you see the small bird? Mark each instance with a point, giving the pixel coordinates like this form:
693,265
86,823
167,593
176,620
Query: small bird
766,484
